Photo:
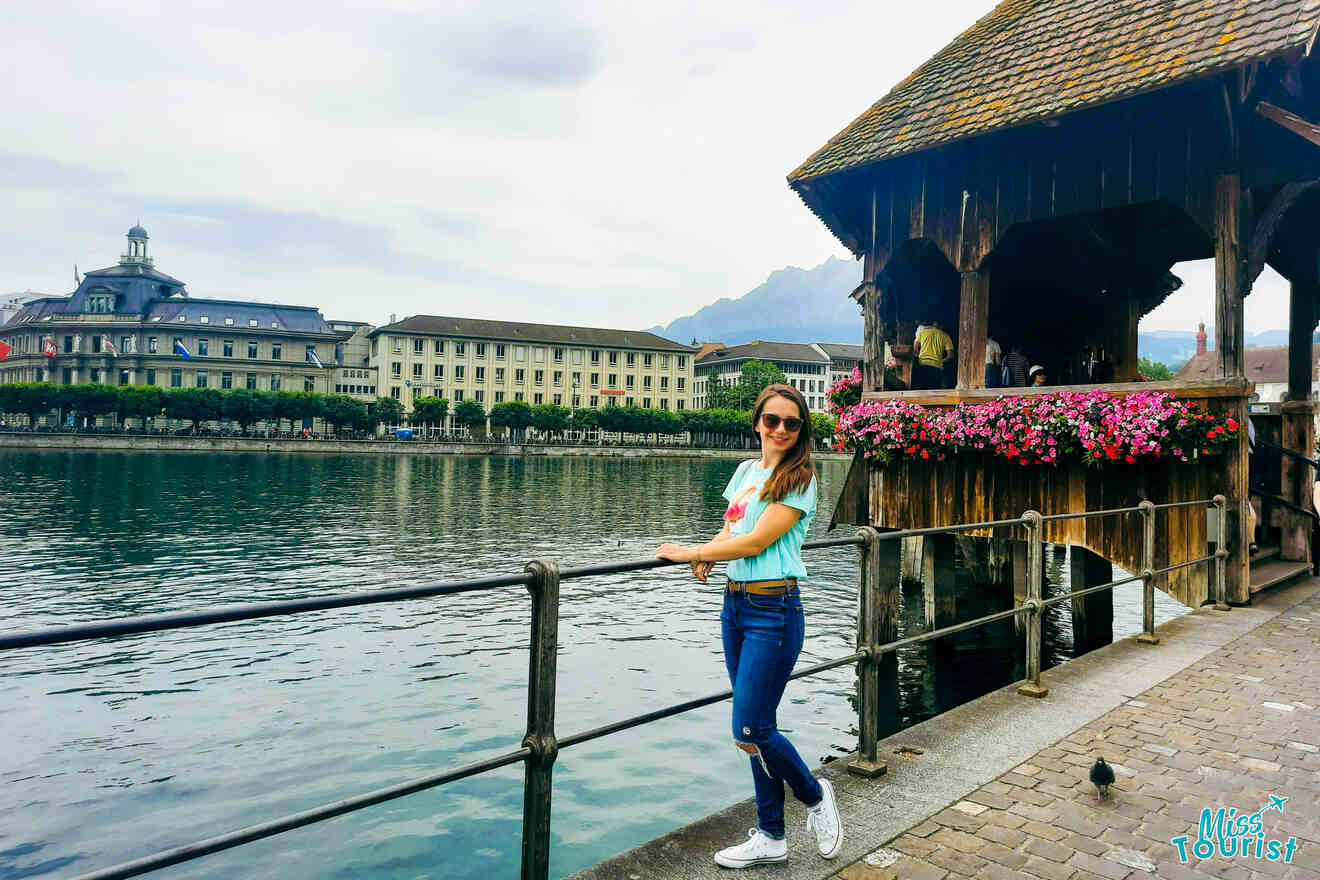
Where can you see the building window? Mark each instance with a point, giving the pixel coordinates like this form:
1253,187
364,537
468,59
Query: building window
123,377
151,377
419,346
664,382
595,380
632,359
646,403
176,378
664,361
394,392
595,401
614,359
439,346
416,393
682,362
96,342
520,352
309,384
125,344
646,360
458,395
595,357
559,355
251,383
646,383
439,371
252,322
480,349
201,378
577,356
518,396
95,377
203,347
539,354
460,349
681,383
629,401
276,350
229,322
252,350
274,381
519,377
226,379
417,371
558,400
628,381
479,396
614,380
66,376
307,356
538,398
481,374
679,404
664,403
577,379
68,345
499,396
559,377
577,400
396,369
227,347
395,346
499,375
539,377
458,373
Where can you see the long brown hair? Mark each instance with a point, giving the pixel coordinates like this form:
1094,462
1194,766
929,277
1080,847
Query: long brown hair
795,469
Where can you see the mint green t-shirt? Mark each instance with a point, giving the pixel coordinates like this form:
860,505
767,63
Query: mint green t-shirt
783,558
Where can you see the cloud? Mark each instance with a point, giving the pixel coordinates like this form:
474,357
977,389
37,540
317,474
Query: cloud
539,51
19,171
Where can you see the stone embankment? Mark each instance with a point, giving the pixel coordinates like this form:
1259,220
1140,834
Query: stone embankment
172,443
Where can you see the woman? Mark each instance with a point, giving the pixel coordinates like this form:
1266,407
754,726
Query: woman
772,502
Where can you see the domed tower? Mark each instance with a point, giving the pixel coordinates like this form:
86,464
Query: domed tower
137,249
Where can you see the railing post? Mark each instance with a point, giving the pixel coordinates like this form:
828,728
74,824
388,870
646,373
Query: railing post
867,762
1032,686
539,768
1221,553
1147,635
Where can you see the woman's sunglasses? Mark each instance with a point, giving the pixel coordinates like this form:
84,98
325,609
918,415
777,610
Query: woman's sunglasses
771,421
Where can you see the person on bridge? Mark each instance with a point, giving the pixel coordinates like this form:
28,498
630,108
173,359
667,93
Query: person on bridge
772,502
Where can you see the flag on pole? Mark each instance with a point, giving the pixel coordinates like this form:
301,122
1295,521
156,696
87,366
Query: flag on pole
311,356
109,346
48,346
4,350
181,349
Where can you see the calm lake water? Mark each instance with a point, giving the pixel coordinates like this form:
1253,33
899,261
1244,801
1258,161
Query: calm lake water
117,748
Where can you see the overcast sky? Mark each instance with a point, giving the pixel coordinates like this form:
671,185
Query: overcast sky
604,164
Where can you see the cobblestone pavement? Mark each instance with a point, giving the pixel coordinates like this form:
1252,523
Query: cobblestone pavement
1238,727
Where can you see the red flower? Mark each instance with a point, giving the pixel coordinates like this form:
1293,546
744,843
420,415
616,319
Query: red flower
1130,459
1210,434
1232,424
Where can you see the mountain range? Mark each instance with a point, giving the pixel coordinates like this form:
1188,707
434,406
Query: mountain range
774,311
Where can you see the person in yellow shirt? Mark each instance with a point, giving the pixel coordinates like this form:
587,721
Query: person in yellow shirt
933,348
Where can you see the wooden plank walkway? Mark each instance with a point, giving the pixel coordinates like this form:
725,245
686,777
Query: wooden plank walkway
1240,726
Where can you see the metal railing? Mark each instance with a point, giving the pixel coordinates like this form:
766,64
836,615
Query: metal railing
539,748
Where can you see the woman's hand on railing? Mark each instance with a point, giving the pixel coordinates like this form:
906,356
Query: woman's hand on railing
701,570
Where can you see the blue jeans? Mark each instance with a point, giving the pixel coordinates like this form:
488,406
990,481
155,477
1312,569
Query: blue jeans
762,640
993,375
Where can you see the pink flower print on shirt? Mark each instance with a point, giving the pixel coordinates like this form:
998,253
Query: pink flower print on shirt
738,507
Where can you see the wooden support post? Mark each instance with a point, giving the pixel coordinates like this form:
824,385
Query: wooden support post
937,587
973,326
913,552
538,773
879,602
1147,635
1229,292
1093,615
1018,566
1301,327
1123,348
873,342
1032,686
1298,428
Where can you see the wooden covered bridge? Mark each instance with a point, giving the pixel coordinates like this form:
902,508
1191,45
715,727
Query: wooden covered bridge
1035,182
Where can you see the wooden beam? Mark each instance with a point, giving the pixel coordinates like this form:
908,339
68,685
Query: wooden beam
973,324
1228,273
1304,129
1124,346
1262,237
1301,327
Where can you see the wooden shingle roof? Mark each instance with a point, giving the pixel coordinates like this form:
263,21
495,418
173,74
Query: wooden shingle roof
1030,60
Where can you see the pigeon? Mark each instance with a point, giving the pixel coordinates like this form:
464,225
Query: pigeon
1102,775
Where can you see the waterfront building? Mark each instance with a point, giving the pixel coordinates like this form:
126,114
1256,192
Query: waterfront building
131,324
353,373
1265,366
12,303
810,367
496,361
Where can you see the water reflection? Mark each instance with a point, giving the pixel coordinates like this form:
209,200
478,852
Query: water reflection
120,747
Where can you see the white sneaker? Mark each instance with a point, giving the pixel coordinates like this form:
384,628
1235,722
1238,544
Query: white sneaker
823,820
759,849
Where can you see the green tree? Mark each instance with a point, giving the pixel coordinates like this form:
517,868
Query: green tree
1154,370
384,411
140,402
341,411
822,427
550,419
755,376
585,420
512,415
429,411
194,404
470,413
88,400
247,407
36,399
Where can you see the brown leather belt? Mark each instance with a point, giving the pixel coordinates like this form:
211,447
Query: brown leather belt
777,587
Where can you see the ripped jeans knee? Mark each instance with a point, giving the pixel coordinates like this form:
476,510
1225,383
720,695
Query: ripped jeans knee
754,750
